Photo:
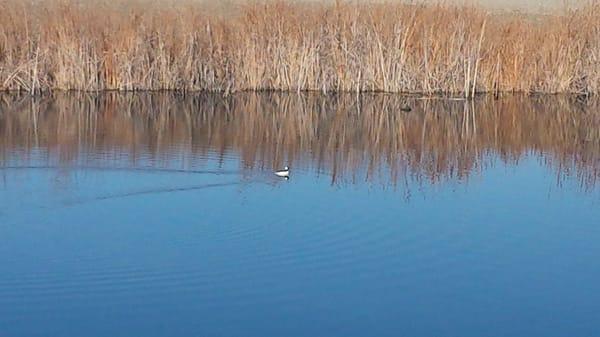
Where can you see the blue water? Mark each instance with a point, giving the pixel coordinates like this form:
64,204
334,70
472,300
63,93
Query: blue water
220,249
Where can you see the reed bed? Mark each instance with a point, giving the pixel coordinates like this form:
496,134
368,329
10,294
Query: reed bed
347,138
274,45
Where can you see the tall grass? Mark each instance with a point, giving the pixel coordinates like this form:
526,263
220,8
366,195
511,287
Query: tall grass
349,138
392,47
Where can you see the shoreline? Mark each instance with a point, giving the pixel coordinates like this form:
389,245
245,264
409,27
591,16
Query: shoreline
415,95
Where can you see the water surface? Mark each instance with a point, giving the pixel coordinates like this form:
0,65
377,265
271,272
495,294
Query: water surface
159,215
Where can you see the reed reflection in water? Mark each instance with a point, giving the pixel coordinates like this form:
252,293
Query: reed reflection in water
350,138
160,215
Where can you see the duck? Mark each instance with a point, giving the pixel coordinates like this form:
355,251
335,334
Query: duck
285,173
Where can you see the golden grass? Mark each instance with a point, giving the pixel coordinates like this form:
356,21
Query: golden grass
347,138
142,45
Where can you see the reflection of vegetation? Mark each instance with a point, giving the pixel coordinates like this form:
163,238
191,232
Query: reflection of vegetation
393,47
349,136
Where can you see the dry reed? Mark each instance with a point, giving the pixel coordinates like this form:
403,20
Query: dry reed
136,45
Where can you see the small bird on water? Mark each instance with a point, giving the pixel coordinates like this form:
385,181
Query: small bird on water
285,173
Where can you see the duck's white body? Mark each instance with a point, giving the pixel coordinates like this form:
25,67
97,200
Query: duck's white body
285,173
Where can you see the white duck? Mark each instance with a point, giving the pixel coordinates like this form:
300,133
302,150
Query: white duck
285,173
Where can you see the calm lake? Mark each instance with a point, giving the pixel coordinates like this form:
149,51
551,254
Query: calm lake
160,215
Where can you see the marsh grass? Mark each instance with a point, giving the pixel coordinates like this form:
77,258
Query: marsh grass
186,46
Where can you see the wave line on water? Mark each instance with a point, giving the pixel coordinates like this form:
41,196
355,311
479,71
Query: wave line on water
153,191
126,169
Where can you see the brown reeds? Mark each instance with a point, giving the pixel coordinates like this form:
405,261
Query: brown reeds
348,138
393,47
